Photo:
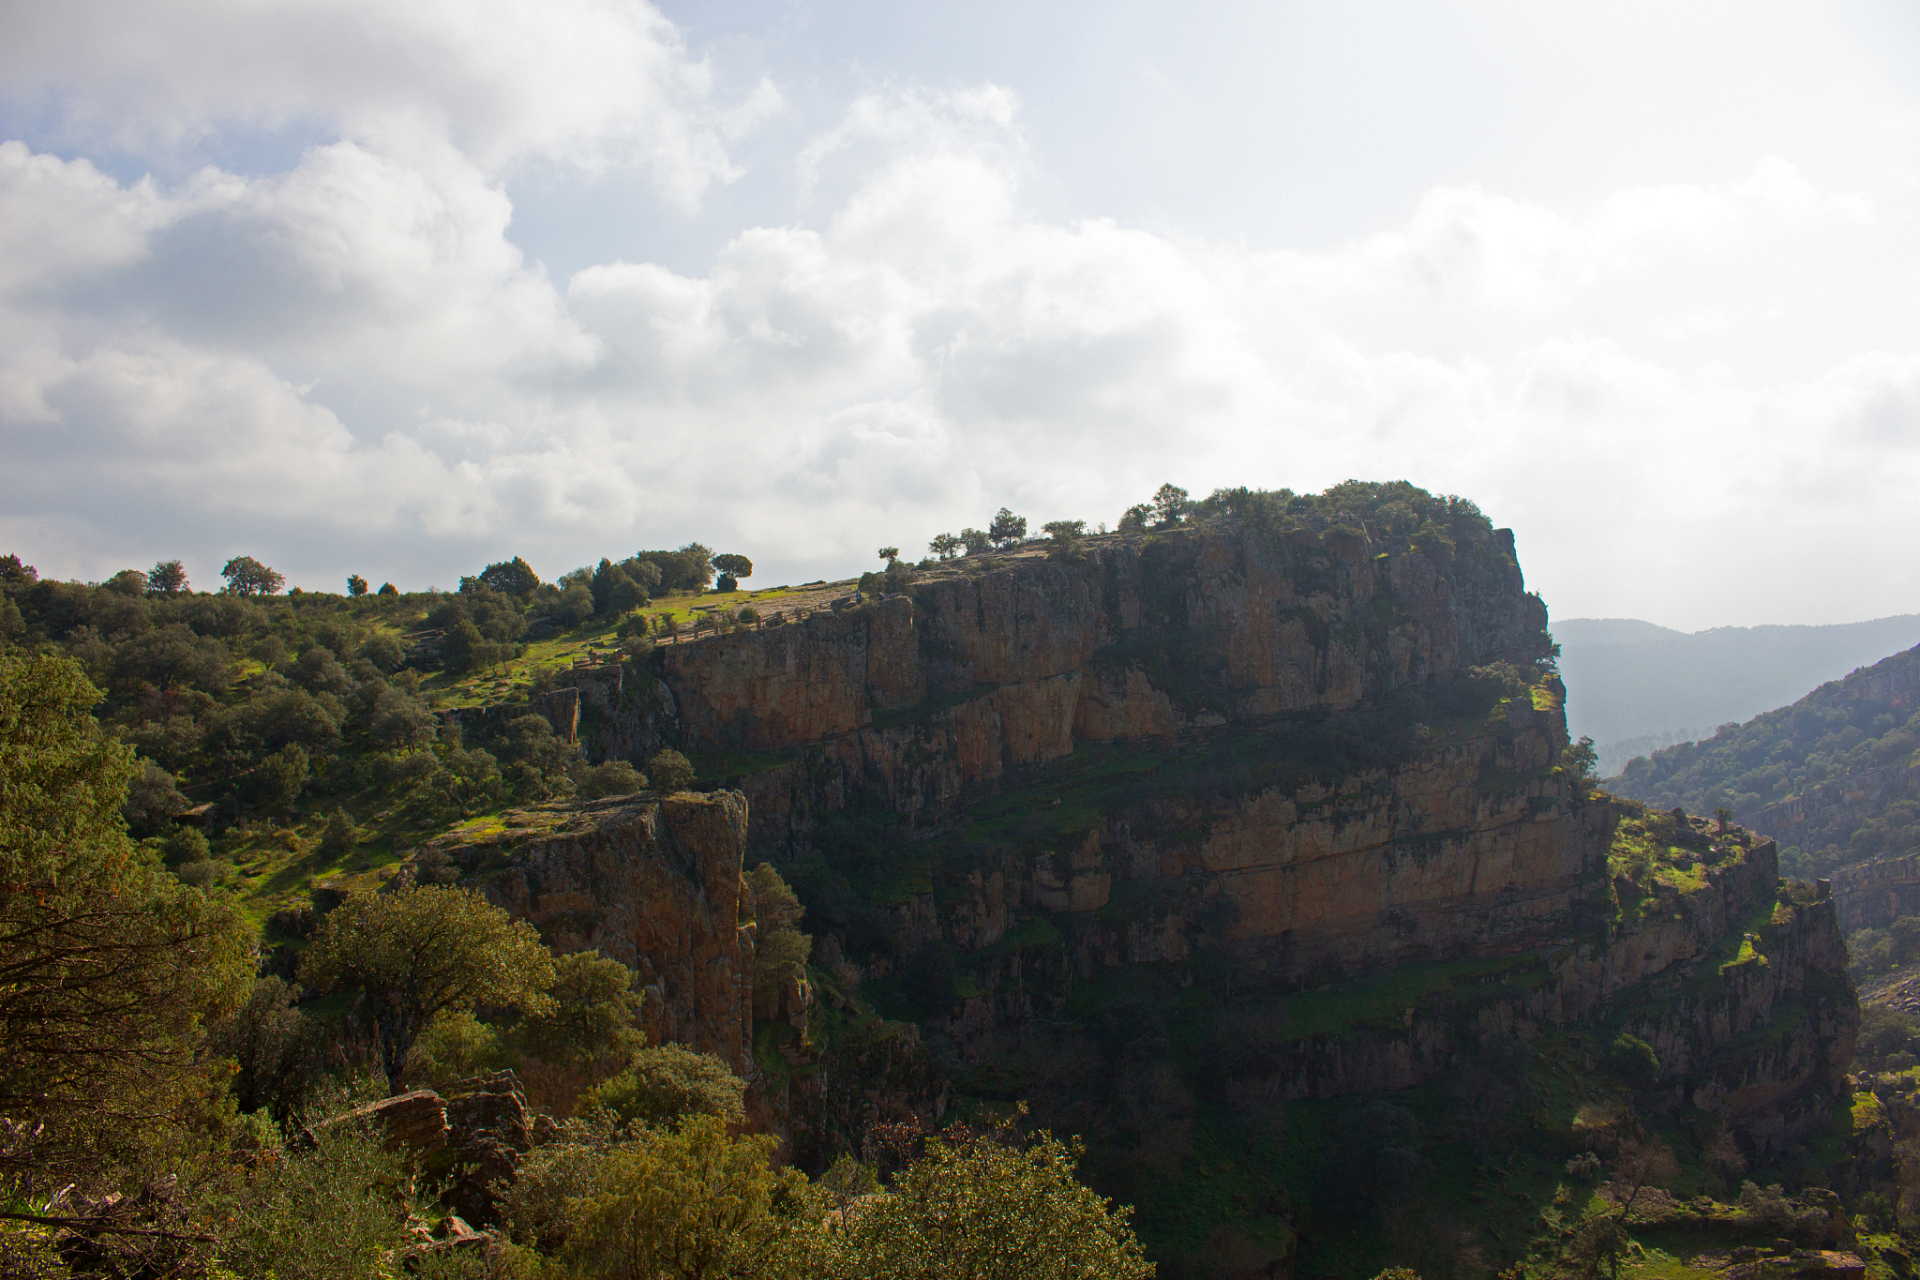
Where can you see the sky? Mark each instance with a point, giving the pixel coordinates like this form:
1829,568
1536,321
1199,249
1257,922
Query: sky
403,287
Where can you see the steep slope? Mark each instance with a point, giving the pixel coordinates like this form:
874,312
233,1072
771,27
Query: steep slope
1836,775
1205,841
1635,687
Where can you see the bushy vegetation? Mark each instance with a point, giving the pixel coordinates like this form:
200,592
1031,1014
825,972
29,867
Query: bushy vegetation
1856,734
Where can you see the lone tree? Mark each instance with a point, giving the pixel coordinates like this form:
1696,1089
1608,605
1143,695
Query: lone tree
167,578
425,951
1065,532
1007,528
1170,505
248,577
945,545
734,566
356,585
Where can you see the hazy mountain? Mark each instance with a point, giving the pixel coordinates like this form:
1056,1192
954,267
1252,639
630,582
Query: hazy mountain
1832,776
1633,686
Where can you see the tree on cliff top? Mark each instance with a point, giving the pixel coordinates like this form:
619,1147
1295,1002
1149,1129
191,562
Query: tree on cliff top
422,951
1007,528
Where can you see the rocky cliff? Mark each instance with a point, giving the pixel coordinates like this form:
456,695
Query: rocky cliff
652,882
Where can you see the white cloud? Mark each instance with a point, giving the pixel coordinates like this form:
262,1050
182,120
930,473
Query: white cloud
592,83
349,366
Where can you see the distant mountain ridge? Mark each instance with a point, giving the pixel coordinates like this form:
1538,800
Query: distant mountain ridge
1835,776
1634,686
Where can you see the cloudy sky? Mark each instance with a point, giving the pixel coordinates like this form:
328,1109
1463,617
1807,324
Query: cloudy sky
404,286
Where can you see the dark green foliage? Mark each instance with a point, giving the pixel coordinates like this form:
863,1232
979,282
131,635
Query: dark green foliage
670,771
1635,1059
609,778
734,566
339,837
1170,505
167,578
383,651
325,1212
575,605
185,845
152,800
356,585
1007,529
278,780
513,577
945,545
666,1083
1885,1031
594,1019
276,1051
388,589
690,568
976,541
780,949
248,577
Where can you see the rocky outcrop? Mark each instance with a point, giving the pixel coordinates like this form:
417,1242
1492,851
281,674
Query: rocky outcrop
1873,895
653,882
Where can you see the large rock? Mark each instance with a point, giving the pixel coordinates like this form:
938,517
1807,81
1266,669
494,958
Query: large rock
652,882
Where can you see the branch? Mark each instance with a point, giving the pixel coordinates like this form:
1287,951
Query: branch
94,1226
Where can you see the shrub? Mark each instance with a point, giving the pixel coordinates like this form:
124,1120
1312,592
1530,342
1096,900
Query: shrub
609,778
670,771
663,1084
1635,1059
456,1045
330,1212
593,1019
340,836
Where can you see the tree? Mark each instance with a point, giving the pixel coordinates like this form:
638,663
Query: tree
388,589
610,778
694,1204
780,950
127,582
1064,532
1135,518
167,578
278,780
976,541
665,1084
734,566
248,577
945,545
1579,761
513,577
1170,505
1635,1059
966,1209
594,1020
890,554
670,771
422,951
1007,528
340,836
108,966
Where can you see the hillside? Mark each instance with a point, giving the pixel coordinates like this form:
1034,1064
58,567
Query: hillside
1835,776
1245,844
1634,687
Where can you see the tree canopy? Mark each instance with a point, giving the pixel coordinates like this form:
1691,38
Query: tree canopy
423,950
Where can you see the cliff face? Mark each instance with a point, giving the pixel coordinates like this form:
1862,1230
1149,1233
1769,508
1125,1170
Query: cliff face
654,883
